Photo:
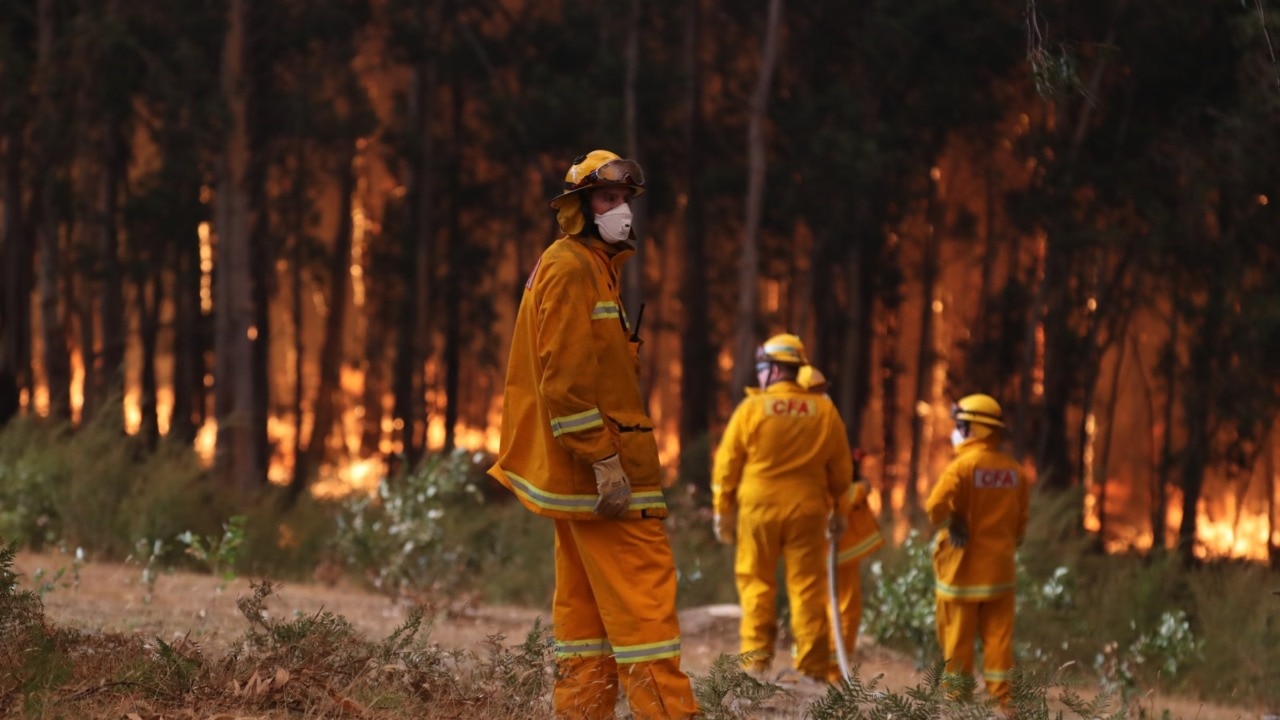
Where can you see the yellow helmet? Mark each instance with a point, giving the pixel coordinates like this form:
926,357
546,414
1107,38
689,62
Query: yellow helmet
811,378
597,168
784,349
978,409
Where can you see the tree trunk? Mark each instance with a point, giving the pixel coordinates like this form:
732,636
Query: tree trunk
457,282
749,268
15,284
111,320
925,360
1197,403
237,456
413,339
633,271
890,373
1159,499
189,340
328,400
150,301
57,363
697,360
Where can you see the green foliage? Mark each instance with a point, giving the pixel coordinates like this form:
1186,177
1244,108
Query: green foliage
218,553
30,475
899,602
399,537
727,692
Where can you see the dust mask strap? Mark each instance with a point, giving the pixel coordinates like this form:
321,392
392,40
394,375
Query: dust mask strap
615,225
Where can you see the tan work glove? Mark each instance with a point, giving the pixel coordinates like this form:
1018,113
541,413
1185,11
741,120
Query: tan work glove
613,486
726,528
836,525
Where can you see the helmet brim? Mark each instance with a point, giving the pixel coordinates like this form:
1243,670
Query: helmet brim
636,191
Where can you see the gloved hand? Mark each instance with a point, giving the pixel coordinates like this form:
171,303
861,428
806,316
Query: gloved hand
613,485
726,528
959,533
836,525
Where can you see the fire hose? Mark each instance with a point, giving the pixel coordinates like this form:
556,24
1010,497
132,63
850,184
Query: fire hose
833,589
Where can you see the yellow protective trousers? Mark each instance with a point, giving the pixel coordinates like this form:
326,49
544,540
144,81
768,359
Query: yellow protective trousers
960,622
767,533
614,617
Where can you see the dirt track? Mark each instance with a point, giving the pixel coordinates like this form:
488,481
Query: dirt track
110,597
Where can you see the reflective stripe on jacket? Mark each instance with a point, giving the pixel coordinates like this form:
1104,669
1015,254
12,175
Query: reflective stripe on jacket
987,490
572,395
784,447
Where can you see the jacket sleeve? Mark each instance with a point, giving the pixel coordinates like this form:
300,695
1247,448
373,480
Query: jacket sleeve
942,500
731,455
839,465
566,352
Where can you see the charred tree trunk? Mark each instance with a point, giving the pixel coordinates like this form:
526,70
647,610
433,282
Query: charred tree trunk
890,373
925,360
456,282
111,320
329,391
413,339
749,268
1198,407
697,362
633,271
56,361
15,279
238,445
189,341
1160,491
150,300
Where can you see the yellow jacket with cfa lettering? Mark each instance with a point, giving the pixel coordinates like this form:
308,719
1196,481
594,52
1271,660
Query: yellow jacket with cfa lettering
986,490
572,394
784,447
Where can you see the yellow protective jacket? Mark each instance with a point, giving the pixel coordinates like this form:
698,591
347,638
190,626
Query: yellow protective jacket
784,447
572,394
986,489
862,536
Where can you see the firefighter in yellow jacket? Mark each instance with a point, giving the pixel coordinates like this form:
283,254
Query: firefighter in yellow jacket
781,466
981,502
861,538
577,446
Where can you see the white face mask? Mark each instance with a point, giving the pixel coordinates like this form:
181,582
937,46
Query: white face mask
615,225
957,437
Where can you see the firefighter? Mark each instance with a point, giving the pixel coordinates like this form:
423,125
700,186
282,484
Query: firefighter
861,538
577,446
781,466
980,504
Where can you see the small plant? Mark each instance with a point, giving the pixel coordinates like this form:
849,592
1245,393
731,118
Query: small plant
1171,647
1168,650
149,553
45,585
219,554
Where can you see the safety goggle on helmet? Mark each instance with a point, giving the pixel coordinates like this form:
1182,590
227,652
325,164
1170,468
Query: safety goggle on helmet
601,168
979,409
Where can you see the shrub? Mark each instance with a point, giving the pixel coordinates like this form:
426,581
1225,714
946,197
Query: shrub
399,536
899,601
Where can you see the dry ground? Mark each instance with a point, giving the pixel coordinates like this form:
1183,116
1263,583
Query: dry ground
111,597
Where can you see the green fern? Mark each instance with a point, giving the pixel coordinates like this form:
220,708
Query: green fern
727,692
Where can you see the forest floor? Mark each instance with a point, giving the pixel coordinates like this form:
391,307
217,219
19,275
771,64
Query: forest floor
111,598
